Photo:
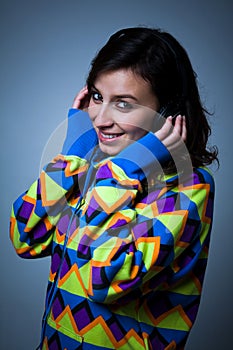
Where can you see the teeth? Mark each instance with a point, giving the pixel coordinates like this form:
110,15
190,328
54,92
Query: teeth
108,136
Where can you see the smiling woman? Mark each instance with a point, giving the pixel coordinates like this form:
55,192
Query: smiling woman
125,212
114,109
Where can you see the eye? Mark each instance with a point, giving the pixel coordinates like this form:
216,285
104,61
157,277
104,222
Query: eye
123,105
96,97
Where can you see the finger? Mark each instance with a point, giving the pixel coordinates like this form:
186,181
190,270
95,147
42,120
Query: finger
172,141
184,129
77,99
162,133
175,135
178,125
80,96
174,138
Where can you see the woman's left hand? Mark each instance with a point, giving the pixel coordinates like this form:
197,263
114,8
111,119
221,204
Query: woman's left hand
173,136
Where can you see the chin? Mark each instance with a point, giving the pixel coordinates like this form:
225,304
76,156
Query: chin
110,151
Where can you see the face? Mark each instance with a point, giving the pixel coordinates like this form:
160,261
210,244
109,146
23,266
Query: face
122,109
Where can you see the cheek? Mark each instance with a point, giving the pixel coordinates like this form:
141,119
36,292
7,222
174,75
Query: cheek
134,133
140,124
92,110
139,133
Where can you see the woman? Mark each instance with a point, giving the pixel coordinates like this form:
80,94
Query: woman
126,210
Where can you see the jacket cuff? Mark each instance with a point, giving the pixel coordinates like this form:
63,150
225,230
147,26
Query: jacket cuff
143,157
81,136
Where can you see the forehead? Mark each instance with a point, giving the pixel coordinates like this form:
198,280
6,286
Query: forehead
122,81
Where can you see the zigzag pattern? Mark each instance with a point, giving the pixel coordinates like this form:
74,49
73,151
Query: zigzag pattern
131,271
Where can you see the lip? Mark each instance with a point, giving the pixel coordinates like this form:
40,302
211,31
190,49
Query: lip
109,137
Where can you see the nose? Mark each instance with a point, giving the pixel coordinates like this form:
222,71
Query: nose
101,115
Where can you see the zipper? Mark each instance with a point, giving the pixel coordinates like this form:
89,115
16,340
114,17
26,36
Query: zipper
80,203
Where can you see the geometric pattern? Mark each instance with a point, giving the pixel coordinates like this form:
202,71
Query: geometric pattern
127,259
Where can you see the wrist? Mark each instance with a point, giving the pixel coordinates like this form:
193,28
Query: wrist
81,138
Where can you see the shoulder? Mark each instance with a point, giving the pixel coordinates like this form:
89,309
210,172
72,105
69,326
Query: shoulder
203,175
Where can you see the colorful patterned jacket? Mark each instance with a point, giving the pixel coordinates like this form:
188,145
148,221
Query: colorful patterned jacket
128,256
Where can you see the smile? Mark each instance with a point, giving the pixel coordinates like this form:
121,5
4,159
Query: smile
104,137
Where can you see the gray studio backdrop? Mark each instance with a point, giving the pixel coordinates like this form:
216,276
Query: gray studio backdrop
46,48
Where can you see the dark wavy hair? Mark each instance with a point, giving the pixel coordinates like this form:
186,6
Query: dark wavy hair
159,59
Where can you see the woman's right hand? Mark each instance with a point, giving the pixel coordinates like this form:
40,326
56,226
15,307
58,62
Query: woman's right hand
81,100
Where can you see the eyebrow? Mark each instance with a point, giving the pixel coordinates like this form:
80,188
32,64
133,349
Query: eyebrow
127,96
118,96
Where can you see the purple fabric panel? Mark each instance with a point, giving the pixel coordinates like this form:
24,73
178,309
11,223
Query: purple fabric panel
26,210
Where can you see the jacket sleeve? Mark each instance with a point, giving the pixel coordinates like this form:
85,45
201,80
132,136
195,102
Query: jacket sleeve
36,212
126,241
